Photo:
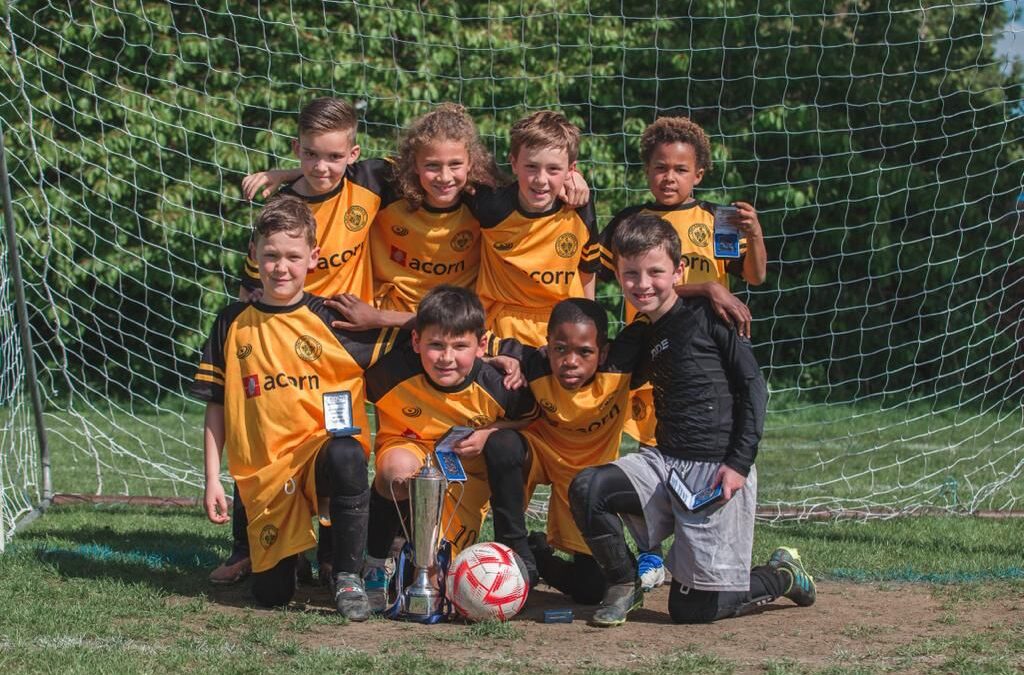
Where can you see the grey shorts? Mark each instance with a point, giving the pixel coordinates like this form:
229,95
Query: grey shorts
712,548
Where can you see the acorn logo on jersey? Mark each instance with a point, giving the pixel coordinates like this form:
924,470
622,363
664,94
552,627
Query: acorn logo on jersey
268,535
355,218
548,405
308,348
338,259
462,240
413,263
243,352
412,411
400,230
503,245
699,234
566,245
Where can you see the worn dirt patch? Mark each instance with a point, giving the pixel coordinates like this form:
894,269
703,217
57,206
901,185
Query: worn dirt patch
852,624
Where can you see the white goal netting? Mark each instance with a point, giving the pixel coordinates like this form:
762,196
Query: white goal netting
883,146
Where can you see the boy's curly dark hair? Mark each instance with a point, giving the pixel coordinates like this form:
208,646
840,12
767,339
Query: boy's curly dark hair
676,130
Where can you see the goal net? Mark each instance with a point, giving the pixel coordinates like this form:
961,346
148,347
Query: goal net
883,147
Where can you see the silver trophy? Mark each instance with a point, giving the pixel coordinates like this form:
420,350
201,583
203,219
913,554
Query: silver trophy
423,599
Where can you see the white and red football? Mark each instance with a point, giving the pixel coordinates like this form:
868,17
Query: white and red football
488,581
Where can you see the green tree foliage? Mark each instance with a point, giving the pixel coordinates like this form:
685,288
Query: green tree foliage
882,148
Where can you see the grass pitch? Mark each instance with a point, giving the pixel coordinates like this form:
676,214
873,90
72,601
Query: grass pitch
123,589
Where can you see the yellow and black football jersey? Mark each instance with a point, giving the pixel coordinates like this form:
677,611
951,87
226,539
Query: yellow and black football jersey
409,404
270,368
579,428
530,261
343,218
413,413
414,250
695,224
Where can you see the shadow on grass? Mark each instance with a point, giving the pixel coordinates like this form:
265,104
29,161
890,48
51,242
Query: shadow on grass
170,562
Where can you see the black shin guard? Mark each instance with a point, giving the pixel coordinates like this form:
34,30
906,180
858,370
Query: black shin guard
239,528
505,455
614,558
688,605
349,520
385,523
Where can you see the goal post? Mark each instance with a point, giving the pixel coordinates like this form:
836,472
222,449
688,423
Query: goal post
883,148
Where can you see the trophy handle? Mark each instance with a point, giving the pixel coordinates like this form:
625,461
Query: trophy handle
401,520
455,508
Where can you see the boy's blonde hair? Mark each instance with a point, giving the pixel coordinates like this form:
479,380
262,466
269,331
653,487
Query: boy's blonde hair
545,129
447,122
676,130
326,114
285,213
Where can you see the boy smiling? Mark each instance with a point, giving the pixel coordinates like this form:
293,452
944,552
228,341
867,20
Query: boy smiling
710,399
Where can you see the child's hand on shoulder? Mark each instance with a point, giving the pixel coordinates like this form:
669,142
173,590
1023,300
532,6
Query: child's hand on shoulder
514,378
575,191
731,480
264,183
729,308
746,220
358,314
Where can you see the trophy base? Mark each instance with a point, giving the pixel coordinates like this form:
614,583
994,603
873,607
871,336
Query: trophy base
418,606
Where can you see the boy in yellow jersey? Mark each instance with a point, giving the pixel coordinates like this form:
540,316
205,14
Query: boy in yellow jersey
422,389
535,250
676,154
581,383
266,373
343,194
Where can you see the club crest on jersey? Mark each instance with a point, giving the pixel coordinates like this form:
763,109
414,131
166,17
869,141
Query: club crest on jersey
503,245
639,409
548,405
412,411
462,240
478,421
243,352
566,245
268,535
399,256
355,218
699,234
400,230
251,386
308,348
